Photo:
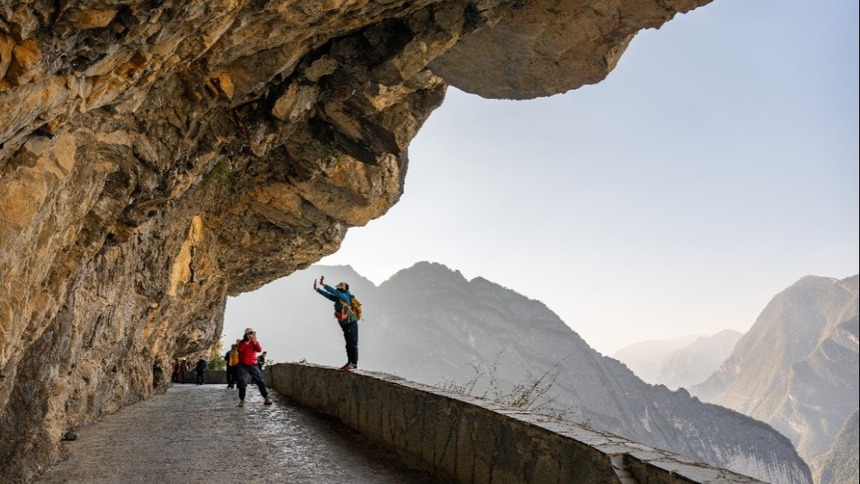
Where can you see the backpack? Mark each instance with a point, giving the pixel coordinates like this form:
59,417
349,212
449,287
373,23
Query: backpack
354,307
234,358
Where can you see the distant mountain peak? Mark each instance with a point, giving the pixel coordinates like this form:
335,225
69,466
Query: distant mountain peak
796,368
427,270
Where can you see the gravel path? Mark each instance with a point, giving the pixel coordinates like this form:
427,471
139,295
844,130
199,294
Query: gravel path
196,433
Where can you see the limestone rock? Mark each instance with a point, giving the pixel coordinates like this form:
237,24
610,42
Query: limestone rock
156,157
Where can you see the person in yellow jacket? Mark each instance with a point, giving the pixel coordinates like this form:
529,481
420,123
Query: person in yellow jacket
232,359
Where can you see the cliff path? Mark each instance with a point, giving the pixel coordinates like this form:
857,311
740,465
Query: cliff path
196,433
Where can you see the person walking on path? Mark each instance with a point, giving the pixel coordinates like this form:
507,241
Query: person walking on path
261,360
180,372
248,348
201,369
232,359
177,371
345,317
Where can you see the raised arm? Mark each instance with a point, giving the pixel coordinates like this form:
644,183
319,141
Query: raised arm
325,292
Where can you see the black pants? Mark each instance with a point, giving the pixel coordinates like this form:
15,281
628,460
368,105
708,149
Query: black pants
256,376
232,375
350,335
199,377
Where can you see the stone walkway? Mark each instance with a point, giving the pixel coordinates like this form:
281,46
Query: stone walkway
197,434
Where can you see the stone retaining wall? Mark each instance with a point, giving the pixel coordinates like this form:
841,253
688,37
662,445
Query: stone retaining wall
477,441
210,377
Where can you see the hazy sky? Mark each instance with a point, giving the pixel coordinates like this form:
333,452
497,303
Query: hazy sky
714,167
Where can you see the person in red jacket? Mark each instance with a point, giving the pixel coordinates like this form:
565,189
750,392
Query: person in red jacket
248,348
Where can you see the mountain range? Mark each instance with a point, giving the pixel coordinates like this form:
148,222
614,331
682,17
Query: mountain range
679,362
431,325
797,370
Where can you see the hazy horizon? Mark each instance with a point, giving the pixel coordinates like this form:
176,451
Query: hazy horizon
268,303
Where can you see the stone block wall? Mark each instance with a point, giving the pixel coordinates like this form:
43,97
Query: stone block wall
471,440
210,377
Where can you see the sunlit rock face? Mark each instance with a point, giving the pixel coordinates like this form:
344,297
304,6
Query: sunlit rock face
156,157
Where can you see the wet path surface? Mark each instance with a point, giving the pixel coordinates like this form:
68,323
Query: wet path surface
196,433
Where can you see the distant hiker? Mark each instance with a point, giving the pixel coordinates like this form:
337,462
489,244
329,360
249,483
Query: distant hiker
261,360
227,366
201,369
232,360
345,316
248,348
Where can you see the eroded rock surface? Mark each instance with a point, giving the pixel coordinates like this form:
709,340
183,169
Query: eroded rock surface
157,156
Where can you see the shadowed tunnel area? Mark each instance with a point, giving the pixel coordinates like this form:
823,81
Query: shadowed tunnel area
196,433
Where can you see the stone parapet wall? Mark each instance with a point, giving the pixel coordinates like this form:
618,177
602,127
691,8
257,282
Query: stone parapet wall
477,441
210,377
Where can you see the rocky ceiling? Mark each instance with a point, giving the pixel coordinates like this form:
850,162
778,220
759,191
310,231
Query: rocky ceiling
157,156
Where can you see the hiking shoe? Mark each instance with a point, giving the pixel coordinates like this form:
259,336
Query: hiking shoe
348,367
267,401
241,403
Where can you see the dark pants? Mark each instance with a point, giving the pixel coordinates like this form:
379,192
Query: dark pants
232,372
199,377
256,377
350,335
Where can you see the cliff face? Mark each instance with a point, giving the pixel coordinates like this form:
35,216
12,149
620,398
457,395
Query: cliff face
157,156
796,369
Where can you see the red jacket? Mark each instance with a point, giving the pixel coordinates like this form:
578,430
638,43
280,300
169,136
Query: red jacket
248,352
